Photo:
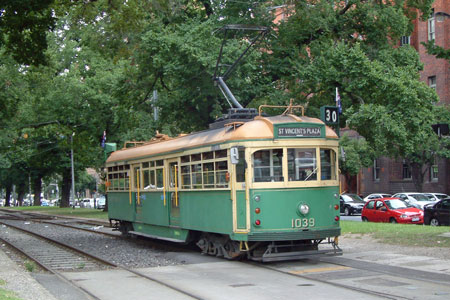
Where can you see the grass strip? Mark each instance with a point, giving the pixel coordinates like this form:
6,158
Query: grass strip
66,211
400,234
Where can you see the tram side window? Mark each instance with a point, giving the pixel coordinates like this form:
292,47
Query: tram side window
205,170
196,170
327,164
159,178
302,164
221,174
185,177
240,167
268,166
208,175
118,179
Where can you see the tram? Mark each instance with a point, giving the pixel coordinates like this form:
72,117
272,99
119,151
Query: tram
264,188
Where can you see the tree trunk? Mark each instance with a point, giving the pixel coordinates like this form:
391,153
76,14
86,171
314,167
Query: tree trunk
37,189
418,175
8,195
65,188
20,193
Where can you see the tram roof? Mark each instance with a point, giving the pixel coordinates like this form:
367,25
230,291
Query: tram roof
259,128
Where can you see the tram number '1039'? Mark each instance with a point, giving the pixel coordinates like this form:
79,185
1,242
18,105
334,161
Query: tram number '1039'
303,223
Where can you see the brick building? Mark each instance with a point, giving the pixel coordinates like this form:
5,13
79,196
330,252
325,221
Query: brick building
392,176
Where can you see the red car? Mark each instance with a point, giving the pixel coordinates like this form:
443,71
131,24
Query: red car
391,210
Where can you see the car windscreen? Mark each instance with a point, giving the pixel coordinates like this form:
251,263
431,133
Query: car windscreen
353,198
420,197
396,204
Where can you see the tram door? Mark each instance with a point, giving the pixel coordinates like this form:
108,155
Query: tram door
173,192
136,188
238,190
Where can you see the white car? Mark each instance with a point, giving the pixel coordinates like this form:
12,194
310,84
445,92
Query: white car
376,196
418,200
436,196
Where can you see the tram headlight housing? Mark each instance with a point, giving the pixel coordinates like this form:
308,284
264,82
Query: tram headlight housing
303,208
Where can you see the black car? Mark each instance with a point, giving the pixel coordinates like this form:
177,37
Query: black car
351,204
438,213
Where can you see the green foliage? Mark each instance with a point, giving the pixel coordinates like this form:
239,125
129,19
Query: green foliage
23,28
433,49
358,154
106,57
30,265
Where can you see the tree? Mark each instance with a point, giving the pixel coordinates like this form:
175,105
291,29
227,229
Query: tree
357,154
352,46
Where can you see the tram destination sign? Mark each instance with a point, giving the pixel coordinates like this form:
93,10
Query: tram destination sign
299,132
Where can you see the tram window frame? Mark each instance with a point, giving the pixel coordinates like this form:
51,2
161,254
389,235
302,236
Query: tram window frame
118,177
207,173
152,175
331,165
266,163
308,173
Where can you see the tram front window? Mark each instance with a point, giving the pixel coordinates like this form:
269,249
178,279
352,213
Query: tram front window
267,165
327,164
302,164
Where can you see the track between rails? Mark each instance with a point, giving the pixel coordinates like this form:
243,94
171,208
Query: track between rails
57,257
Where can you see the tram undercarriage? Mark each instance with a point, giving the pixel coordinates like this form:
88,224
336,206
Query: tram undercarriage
223,246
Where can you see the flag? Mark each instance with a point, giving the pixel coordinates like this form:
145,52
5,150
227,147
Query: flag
103,139
338,101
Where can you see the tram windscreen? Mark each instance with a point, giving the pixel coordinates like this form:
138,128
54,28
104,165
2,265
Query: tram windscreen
302,164
268,165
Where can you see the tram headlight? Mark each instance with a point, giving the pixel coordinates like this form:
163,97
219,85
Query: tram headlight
303,209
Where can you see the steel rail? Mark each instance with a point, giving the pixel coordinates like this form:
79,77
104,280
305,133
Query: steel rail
340,285
49,269
170,286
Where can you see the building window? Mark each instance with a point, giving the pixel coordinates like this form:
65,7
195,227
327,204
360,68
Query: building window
376,170
432,82
405,40
431,26
406,173
434,171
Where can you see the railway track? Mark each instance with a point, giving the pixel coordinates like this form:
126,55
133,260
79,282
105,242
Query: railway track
331,272
59,258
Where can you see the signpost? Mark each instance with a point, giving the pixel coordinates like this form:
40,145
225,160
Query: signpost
330,116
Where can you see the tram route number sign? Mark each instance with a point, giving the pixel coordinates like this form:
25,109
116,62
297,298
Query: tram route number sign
329,115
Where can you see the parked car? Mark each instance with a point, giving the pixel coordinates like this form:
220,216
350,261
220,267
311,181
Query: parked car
391,210
376,196
351,204
101,202
44,202
436,196
86,203
438,213
418,200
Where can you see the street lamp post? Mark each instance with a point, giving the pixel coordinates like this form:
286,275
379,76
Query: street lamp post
73,173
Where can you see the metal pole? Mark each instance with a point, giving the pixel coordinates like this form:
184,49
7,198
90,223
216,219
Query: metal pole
155,108
29,189
228,92
73,173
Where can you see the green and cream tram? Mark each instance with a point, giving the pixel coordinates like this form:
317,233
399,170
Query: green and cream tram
266,189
